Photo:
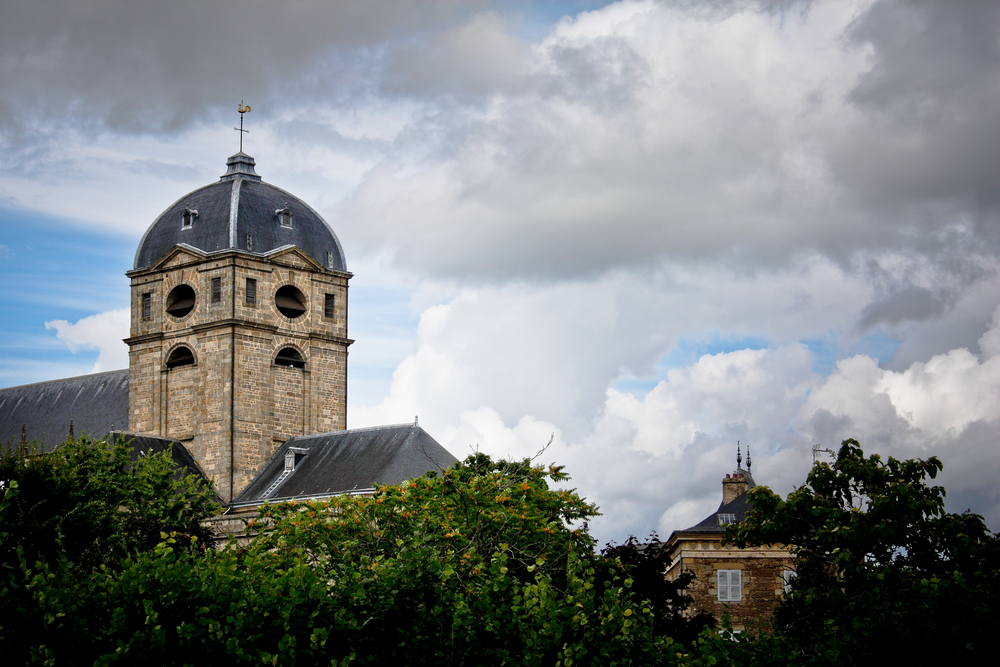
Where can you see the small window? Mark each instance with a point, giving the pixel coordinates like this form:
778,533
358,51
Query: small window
290,301
329,259
788,576
284,216
249,241
188,218
181,300
726,519
328,305
216,290
251,291
181,356
290,357
147,305
730,585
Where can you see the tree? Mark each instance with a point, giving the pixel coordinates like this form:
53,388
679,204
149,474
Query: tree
483,563
93,504
646,565
881,567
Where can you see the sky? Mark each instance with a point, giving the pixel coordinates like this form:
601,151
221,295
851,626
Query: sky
641,230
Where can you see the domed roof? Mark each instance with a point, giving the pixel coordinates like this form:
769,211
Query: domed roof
241,212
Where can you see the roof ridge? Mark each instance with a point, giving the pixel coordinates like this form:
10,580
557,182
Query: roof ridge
383,427
74,377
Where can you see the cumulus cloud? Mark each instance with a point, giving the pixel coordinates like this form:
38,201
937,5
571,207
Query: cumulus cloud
102,332
651,131
488,371
642,177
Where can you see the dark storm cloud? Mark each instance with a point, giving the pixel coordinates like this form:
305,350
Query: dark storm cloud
149,66
748,135
930,130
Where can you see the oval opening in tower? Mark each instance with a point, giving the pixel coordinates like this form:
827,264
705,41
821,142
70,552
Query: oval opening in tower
290,357
180,301
181,356
290,301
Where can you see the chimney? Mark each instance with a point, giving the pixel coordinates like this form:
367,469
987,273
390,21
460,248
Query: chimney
734,486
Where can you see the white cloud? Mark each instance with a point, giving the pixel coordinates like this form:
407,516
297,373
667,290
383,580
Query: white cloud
499,369
103,332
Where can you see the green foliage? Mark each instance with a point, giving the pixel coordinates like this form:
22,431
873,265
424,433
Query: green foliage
481,564
90,502
646,565
881,567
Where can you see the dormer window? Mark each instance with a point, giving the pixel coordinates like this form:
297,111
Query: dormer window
188,217
726,519
284,216
292,457
329,259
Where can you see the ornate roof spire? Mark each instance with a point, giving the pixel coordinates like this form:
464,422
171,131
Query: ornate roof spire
748,458
739,456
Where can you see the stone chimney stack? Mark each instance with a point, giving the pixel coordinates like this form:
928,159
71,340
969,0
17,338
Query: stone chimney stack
734,486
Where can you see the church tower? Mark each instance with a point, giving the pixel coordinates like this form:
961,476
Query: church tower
239,325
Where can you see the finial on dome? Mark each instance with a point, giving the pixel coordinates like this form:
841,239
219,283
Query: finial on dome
748,458
242,109
241,165
739,457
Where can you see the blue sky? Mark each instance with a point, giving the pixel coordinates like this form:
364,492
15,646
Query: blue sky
646,229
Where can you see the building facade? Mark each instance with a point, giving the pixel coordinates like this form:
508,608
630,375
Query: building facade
746,584
238,326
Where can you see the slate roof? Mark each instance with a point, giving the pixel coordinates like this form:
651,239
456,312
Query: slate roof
738,507
345,461
96,404
241,204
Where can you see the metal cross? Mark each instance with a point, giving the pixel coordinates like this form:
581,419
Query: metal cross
242,109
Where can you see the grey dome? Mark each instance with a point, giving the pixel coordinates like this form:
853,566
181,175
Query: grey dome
241,212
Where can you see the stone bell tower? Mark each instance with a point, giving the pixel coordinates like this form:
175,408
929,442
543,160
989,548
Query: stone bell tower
239,325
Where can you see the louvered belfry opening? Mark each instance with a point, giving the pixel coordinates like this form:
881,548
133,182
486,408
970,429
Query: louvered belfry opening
290,301
181,356
181,300
290,357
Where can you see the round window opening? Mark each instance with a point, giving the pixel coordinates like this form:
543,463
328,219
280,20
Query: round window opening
181,356
290,301
180,301
290,357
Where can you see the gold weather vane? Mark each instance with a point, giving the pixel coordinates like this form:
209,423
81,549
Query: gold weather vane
242,109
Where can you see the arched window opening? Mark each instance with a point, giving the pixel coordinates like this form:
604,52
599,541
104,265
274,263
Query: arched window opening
290,357
290,301
181,356
180,301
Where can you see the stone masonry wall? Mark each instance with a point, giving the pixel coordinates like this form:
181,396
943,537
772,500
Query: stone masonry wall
234,406
762,580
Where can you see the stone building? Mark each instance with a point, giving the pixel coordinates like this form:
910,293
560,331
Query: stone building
745,583
238,346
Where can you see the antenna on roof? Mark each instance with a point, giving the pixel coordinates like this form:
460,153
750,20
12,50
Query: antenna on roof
242,109
817,449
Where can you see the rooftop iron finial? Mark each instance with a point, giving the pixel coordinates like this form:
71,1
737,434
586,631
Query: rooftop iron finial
748,458
739,457
242,109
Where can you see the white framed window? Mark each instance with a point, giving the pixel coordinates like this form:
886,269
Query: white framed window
726,518
788,576
730,585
